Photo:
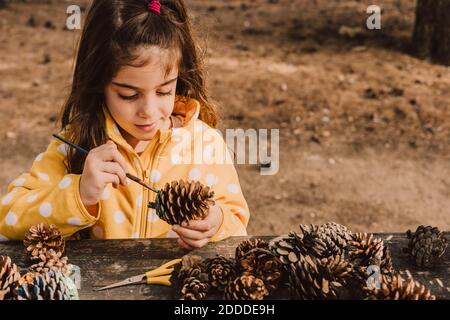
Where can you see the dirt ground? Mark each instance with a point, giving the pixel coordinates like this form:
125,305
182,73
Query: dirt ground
364,126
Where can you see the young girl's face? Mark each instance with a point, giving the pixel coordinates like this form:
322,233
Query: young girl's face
141,99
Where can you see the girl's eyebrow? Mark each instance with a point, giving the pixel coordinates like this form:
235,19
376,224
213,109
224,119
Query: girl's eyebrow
129,86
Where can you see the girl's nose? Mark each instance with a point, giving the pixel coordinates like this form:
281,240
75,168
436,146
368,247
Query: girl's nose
148,108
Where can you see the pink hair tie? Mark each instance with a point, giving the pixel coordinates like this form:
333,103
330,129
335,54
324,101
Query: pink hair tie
154,6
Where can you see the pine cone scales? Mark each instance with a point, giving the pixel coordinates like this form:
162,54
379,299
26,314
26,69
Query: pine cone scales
335,235
190,266
189,279
181,201
319,241
286,249
247,245
313,278
396,288
263,264
426,245
42,237
51,261
246,287
9,276
221,272
194,289
336,230
48,286
365,250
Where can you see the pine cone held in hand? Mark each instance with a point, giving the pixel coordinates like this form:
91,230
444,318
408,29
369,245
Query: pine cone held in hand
181,201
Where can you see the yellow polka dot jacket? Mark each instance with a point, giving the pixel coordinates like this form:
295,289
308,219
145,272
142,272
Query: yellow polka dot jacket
193,151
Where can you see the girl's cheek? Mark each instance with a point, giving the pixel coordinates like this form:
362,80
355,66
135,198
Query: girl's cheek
169,106
168,110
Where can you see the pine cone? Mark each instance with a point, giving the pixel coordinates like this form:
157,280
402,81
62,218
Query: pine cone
190,266
312,243
42,237
47,286
263,264
336,233
194,289
221,272
364,250
396,288
426,245
288,249
182,279
326,240
319,241
246,287
181,201
247,245
51,261
9,277
326,278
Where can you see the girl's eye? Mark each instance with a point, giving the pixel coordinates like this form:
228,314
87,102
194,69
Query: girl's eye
128,97
165,93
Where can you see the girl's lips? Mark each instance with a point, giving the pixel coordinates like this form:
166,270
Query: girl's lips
147,127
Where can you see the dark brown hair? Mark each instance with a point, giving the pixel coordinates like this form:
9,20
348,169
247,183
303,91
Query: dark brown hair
113,32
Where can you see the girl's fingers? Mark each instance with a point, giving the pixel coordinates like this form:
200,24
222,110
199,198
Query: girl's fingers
191,234
112,154
110,178
196,244
211,222
183,244
114,168
199,225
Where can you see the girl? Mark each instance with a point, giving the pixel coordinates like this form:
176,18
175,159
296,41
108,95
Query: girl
138,102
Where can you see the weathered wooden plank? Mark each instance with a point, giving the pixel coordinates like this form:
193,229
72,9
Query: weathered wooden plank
103,262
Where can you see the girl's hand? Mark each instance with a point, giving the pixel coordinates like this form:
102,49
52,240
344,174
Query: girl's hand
103,165
198,233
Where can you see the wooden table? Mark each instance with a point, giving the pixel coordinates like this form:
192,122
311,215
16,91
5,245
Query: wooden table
103,262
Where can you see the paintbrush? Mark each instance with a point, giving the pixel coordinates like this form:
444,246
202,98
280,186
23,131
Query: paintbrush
85,152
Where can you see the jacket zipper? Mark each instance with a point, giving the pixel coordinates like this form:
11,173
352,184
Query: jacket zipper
145,193
152,195
144,213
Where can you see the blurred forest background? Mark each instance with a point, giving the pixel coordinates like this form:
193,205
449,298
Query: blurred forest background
364,116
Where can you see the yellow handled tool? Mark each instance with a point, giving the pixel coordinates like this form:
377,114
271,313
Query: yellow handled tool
160,275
